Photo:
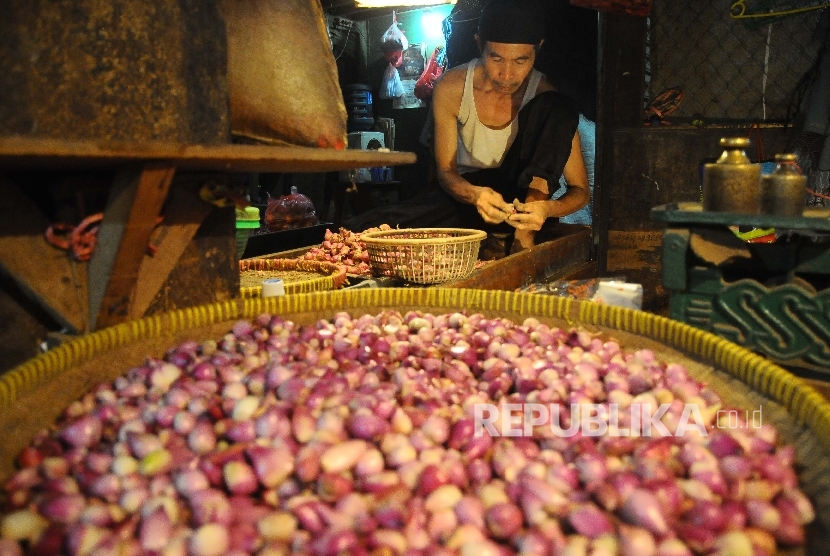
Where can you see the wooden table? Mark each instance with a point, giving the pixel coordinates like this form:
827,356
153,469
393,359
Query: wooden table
770,298
564,253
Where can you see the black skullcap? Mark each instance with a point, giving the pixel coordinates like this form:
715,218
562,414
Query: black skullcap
512,22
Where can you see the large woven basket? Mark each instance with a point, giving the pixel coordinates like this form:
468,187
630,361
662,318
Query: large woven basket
424,255
324,276
33,395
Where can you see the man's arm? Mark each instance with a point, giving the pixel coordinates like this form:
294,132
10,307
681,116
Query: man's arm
538,206
578,192
446,101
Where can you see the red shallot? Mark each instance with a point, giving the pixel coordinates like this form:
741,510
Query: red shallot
344,248
366,436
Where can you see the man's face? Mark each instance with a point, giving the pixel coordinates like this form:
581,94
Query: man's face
506,66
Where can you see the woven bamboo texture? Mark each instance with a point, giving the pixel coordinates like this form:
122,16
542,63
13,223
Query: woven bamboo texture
34,394
331,277
424,255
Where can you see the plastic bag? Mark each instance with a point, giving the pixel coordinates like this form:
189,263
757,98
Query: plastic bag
289,212
619,294
392,87
393,43
580,290
425,83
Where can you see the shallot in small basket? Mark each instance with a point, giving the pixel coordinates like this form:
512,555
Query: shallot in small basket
424,255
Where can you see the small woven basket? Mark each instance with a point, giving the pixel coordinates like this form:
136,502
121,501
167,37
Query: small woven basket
329,275
424,255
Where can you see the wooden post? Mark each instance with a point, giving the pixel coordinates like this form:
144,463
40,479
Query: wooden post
621,85
46,274
134,204
184,213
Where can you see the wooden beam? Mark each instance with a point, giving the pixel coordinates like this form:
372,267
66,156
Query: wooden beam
207,271
183,215
620,105
39,153
23,329
46,274
134,203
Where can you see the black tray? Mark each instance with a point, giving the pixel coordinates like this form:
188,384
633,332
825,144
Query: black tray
273,242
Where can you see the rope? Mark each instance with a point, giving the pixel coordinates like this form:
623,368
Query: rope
738,10
817,194
81,240
766,73
793,163
759,143
345,42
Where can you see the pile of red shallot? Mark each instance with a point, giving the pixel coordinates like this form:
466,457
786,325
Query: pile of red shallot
356,436
344,248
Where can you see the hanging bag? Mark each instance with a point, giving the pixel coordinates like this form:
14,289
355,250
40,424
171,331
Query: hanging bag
392,44
290,211
425,83
392,86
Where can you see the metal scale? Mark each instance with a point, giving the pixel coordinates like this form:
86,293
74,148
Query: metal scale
772,298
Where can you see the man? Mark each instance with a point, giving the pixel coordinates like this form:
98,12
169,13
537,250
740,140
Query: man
502,132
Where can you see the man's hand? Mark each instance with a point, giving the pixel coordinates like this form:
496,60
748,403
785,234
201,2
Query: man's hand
491,206
529,216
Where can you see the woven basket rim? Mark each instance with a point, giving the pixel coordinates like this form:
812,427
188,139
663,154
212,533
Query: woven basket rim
803,402
290,264
465,235
404,258
332,276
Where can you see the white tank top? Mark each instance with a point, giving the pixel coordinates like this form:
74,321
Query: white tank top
479,146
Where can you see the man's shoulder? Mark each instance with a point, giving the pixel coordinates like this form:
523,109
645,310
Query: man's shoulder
453,78
449,88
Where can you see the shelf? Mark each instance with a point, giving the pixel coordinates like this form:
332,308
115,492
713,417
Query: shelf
813,219
102,292
42,153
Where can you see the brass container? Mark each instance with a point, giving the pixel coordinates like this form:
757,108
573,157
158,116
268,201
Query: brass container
732,184
784,191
